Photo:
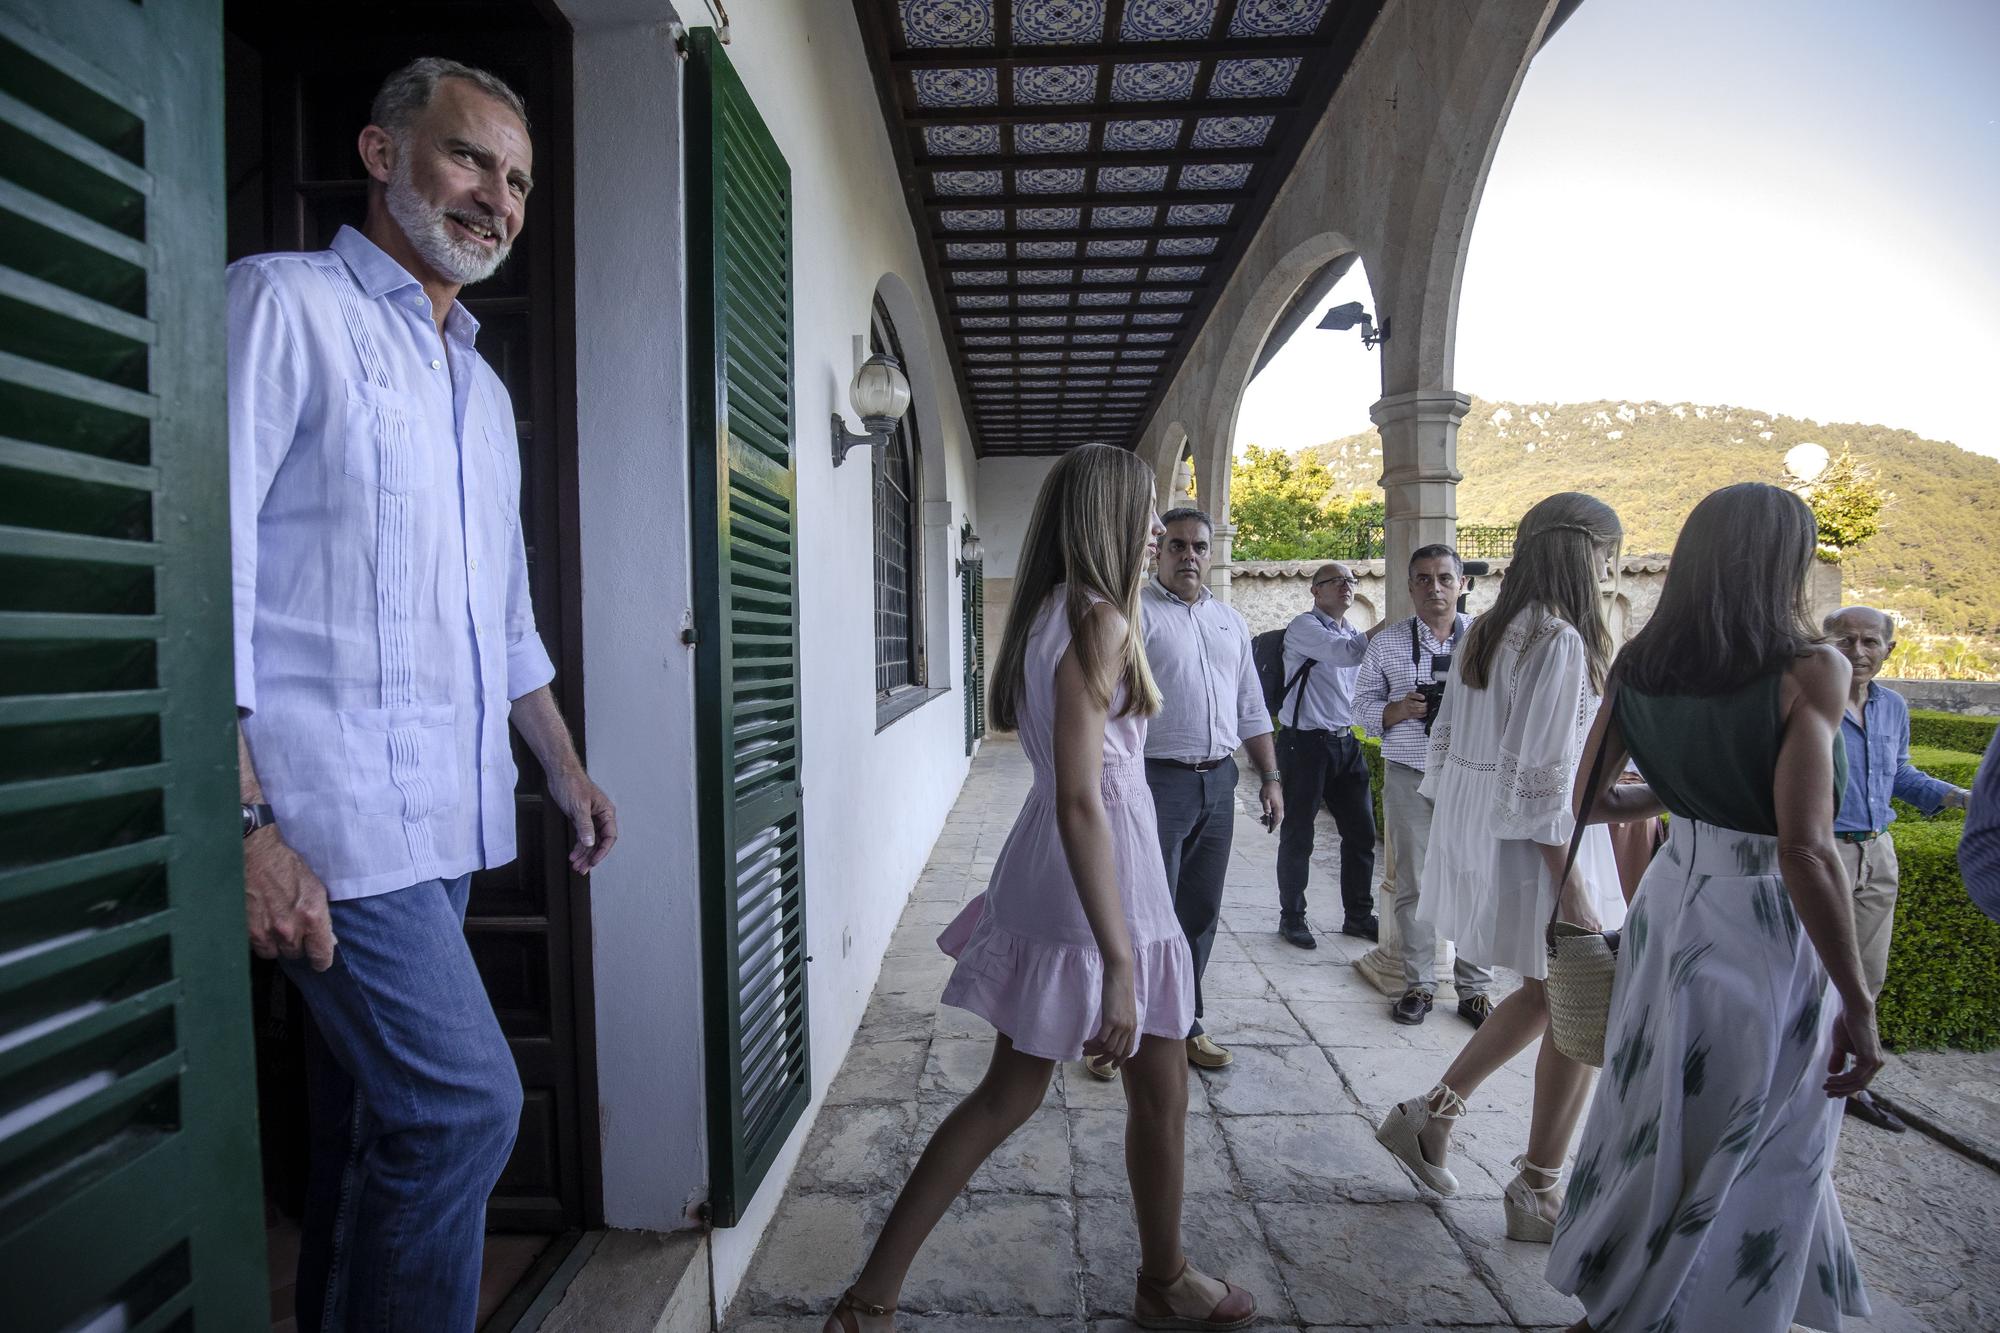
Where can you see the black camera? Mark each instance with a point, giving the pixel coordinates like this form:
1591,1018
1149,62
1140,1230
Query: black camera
1433,691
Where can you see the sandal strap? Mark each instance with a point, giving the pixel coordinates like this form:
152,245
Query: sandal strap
1553,1174
1450,1106
1161,1284
849,1301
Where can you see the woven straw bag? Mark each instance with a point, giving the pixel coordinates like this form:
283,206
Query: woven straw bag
1583,964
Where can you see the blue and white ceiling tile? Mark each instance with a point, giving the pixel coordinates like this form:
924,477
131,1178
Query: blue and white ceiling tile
991,277
983,321
975,250
1115,249
1099,321
1065,136
1120,216
1048,180
1169,296
1174,273
1084,339
1175,246
1154,81
1167,20
1215,176
1261,76
1111,275
1092,354
928,23
1054,85
1039,356
1040,340
1103,298
1045,250
1051,22
980,301
986,340
1199,215
1276,18
1047,219
1043,300
1149,337
1043,277
1131,178
973,219
1153,317
1142,136
989,356
948,140
966,182
956,87
1231,131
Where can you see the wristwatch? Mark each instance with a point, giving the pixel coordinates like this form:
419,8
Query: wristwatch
1273,776
256,817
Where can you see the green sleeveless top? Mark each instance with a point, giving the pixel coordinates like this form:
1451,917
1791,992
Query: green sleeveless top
1714,757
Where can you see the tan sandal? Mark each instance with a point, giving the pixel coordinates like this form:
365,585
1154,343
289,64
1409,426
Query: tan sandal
1153,1308
851,1305
1521,1202
1406,1120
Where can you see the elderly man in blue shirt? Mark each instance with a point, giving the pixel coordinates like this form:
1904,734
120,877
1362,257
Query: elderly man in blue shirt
384,642
1876,731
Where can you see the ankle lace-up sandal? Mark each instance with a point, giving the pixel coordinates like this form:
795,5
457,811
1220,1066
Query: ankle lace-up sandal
851,1305
1522,1202
1406,1120
1152,1304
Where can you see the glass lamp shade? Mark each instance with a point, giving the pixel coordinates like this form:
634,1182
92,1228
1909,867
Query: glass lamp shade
880,393
971,550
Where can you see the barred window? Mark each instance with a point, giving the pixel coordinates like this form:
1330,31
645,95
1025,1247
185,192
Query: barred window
899,652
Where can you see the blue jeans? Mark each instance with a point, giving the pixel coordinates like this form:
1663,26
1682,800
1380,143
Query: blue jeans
414,1105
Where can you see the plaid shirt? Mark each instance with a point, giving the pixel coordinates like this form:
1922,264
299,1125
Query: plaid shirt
1389,674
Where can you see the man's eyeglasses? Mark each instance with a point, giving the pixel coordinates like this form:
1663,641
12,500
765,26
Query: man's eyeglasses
1349,582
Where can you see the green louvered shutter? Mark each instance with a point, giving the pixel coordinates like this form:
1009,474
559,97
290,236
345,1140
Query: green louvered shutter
129,1191
744,502
972,614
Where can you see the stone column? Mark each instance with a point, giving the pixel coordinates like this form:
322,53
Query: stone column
1220,567
1420,486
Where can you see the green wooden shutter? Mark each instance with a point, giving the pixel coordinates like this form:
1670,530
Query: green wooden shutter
972,615
744,502
128,1136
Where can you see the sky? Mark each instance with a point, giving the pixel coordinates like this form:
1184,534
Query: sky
1780,205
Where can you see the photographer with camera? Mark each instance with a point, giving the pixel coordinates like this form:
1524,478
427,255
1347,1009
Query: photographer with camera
1396,698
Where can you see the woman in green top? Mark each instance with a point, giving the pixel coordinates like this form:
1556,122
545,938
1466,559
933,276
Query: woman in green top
1703,1194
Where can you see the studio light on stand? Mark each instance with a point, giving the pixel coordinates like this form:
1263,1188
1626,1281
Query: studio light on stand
881,395
1348,316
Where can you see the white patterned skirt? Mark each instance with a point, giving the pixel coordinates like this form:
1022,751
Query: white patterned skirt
1703,1192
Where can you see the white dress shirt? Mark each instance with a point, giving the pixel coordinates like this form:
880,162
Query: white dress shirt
1324,702
380,583
1210,701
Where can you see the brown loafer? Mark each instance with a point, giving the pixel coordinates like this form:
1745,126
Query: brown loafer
1152,1307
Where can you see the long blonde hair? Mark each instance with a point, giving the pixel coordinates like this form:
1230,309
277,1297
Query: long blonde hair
1554,566
1088,533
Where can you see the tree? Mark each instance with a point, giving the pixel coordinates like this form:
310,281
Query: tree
1846,506
1288,507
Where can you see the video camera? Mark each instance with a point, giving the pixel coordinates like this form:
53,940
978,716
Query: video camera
1433,689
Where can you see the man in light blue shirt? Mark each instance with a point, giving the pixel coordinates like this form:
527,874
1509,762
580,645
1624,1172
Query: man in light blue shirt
1876,732
384,641
1321,760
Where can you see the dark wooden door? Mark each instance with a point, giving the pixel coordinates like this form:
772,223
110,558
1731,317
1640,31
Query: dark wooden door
300,88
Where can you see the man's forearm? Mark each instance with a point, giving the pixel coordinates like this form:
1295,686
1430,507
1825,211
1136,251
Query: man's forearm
541,724
247,785
1263,753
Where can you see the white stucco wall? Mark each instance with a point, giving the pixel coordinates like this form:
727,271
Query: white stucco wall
1007,490
873,802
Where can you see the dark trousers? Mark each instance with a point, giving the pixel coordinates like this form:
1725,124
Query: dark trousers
1197,816
1325,768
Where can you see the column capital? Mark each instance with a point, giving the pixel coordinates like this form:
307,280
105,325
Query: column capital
1447,406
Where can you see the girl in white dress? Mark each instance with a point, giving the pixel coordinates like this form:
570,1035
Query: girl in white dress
1503,757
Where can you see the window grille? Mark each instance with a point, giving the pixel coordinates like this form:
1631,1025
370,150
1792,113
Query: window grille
899,658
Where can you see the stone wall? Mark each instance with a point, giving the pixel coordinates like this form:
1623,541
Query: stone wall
1977,698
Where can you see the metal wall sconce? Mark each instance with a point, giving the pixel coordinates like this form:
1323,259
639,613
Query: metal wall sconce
881,395
1351,314
971,550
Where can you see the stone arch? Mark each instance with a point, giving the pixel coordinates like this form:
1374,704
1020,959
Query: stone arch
1169,443
925,365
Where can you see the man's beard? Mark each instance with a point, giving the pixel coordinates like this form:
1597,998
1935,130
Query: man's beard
458,260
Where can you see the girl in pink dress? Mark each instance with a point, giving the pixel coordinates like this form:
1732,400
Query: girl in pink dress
1074,948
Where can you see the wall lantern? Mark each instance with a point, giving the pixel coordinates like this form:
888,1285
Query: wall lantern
971,550
1351,314
880,394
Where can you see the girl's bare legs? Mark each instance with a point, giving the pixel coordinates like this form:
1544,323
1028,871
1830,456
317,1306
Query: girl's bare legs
1562,1085
1010,1092
1156,1162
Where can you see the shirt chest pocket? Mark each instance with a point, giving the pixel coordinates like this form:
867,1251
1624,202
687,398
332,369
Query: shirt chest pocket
383,443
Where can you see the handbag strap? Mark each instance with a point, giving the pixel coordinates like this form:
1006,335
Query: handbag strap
1582,820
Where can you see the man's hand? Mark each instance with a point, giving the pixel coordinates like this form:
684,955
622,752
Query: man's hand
1411,705
285,903
591,814
1272,797
1956,799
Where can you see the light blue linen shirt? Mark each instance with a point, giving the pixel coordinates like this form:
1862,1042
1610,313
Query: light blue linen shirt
1878,766
1326,701
381,586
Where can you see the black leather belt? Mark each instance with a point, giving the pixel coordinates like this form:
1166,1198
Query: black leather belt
1202,767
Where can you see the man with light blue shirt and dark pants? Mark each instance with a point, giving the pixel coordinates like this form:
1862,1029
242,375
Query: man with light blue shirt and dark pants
1876,731
1321,760
384,641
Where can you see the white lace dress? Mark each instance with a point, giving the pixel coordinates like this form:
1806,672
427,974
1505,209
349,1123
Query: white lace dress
1502,764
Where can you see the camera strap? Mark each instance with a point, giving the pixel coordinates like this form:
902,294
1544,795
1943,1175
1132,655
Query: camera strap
1458,623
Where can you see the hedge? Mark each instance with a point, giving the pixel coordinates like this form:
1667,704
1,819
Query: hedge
1944,959
1371,750
1951,731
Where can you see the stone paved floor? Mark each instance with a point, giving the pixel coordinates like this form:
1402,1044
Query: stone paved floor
1288,1194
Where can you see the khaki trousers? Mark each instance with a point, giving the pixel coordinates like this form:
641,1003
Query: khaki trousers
1872,874
1408,815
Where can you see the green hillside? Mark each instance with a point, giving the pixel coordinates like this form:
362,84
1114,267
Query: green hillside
1935,560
